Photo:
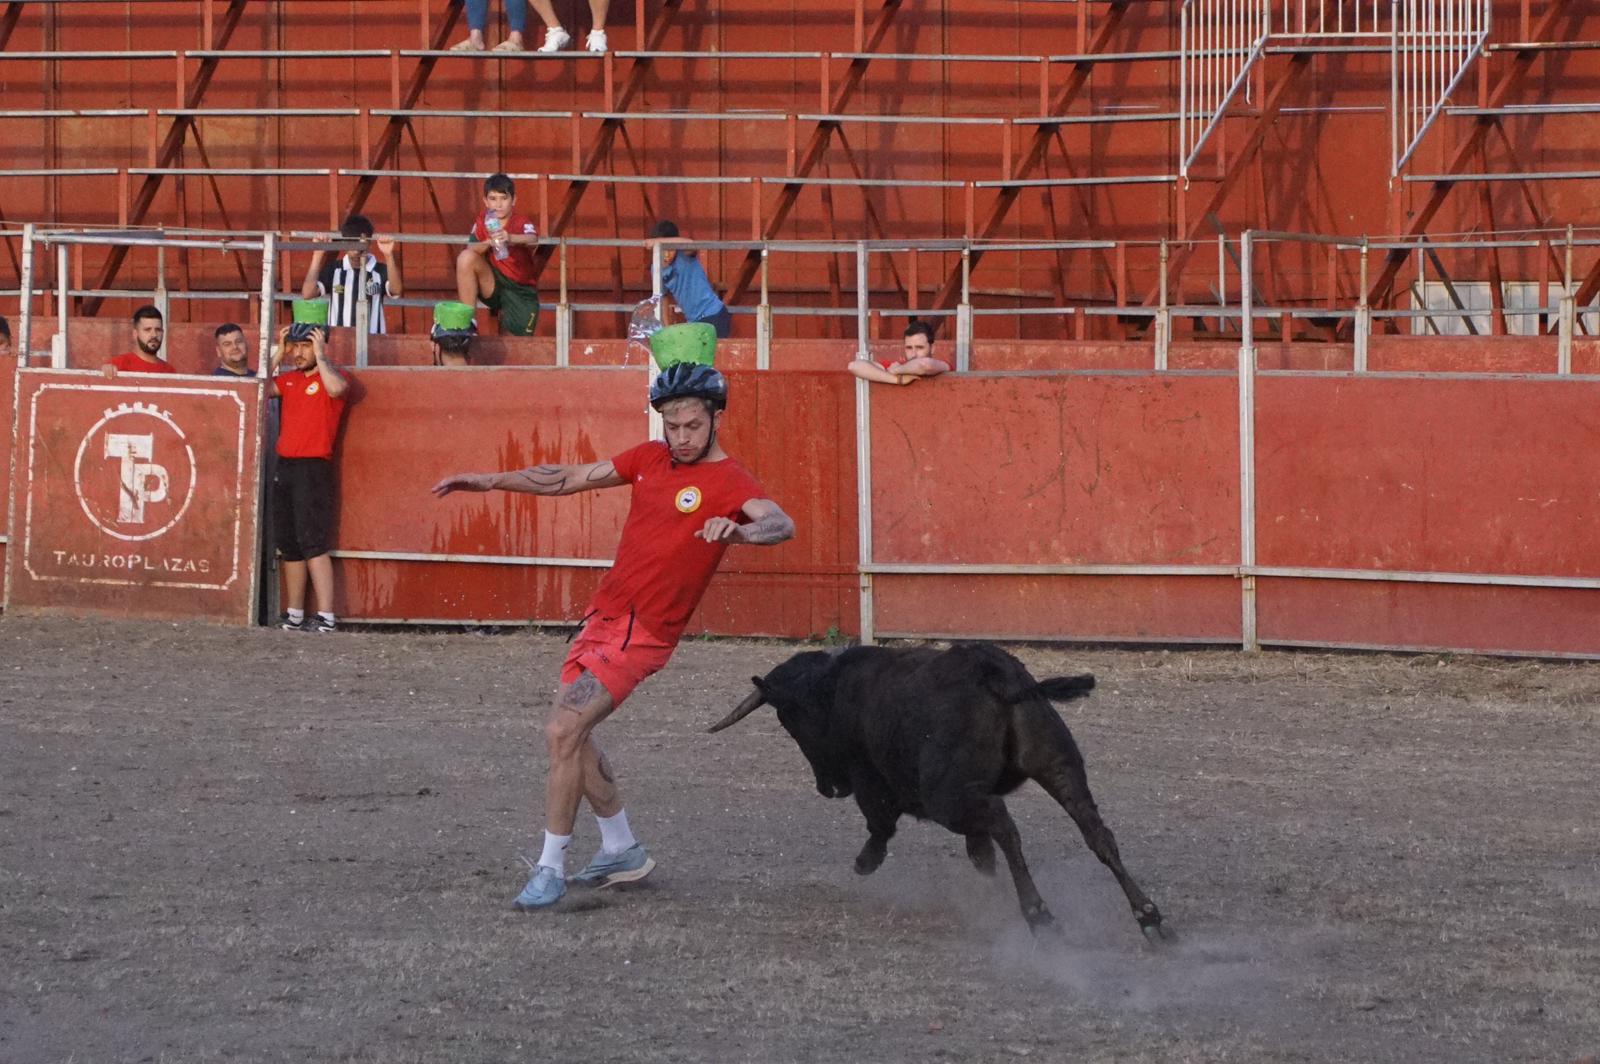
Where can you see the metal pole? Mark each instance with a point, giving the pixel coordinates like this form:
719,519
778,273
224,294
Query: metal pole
862,350
58,349
269,306
1163,317
25,310
1247,446
1568,314
964,313
363,310
864,505
657,429
563,312
1363,316
163,301
764,319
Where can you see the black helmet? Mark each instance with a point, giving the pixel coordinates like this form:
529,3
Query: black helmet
689,380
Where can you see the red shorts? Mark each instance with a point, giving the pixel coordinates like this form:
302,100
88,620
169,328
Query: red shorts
620,658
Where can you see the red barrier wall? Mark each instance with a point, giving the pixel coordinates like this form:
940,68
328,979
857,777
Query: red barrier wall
1051,470
411,427
1429,475
135,501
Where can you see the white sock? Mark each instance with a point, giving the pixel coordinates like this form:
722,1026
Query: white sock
615,835
555,852
295,616
325,615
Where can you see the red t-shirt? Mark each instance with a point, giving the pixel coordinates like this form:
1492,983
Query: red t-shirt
310,418
519,267
133,362
662,569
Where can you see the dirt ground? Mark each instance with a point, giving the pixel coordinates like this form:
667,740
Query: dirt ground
221,845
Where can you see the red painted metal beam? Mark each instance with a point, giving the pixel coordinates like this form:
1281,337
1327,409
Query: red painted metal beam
389,143
177,133
1038,147
1205,217
8,21
1522,62
600,149
816,147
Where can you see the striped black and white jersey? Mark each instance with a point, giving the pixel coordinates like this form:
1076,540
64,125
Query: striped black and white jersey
338,281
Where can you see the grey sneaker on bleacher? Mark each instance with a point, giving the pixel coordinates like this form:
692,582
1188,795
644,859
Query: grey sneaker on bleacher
609,869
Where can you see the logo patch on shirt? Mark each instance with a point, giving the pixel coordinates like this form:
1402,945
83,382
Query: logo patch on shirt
313,388
688,500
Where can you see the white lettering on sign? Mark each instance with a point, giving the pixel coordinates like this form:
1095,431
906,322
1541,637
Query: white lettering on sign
142,482
132,434
131,562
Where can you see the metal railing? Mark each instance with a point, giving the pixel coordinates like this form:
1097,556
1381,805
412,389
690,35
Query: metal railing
1432,44
1313,288
1220,42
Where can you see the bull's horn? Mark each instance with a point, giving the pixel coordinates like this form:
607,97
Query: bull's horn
751,703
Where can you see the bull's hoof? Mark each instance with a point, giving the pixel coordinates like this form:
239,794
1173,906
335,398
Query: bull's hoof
867,863
1039,919
1154,931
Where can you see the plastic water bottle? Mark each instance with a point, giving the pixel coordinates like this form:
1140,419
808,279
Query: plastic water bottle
493,226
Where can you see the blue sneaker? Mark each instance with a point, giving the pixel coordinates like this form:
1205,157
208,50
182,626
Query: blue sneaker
545,888
629,866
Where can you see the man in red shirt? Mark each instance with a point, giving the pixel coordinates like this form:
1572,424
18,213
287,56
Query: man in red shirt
302,486
690,500
148,330
497,266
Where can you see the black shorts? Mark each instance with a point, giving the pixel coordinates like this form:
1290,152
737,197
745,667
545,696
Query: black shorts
302,508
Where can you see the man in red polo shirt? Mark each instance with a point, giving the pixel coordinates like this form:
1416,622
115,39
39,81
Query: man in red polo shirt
302,487
148,330
690,500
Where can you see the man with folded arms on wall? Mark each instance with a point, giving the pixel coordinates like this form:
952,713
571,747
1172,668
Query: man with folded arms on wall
918,360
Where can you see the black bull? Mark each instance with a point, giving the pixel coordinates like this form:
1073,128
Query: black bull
941,735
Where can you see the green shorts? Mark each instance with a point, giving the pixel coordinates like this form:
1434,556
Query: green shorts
517,305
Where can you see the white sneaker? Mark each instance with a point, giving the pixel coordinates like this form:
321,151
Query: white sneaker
596,41
555,39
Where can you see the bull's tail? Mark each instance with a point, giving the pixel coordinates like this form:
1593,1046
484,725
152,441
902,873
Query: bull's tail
1064,688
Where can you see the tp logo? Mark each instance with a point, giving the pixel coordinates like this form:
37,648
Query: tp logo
128,466
142,482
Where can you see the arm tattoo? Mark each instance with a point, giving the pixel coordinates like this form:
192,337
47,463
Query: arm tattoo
773,528
581,693
601,472
540,480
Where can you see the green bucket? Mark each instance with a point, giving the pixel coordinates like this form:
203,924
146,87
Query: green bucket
311,312
688,342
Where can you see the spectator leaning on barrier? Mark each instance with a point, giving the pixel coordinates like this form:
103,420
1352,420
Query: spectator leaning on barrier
685,280
478,21
148,330
313,395
233,353
340,282
918,361
452,334
497,265
556,38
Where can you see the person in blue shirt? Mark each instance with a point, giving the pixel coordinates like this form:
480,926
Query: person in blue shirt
685,280
233,352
